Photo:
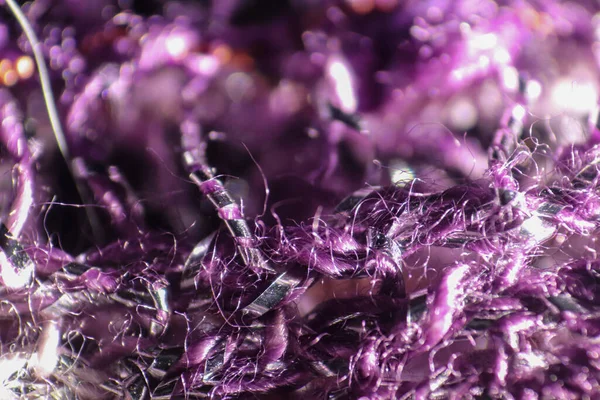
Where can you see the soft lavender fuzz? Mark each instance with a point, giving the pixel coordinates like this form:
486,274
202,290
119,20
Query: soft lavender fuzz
337,199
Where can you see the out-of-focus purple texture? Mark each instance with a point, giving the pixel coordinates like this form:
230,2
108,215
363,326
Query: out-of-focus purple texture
328,199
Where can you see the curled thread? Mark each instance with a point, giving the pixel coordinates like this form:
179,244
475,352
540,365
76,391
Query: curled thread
229,211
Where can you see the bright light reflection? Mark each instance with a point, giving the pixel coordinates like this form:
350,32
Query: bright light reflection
176,47
14,278
46,358
501,56
571,96
483,42
510,78
400,172
534,90
519,112
342,79
9,365
21,213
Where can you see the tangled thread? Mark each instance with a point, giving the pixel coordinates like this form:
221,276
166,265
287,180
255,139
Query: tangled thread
471,261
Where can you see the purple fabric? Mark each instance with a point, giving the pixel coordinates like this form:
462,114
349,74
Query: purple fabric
336,199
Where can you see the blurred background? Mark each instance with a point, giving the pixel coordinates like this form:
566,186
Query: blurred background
301,102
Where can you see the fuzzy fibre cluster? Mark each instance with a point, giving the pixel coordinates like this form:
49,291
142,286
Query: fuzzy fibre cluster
299,199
